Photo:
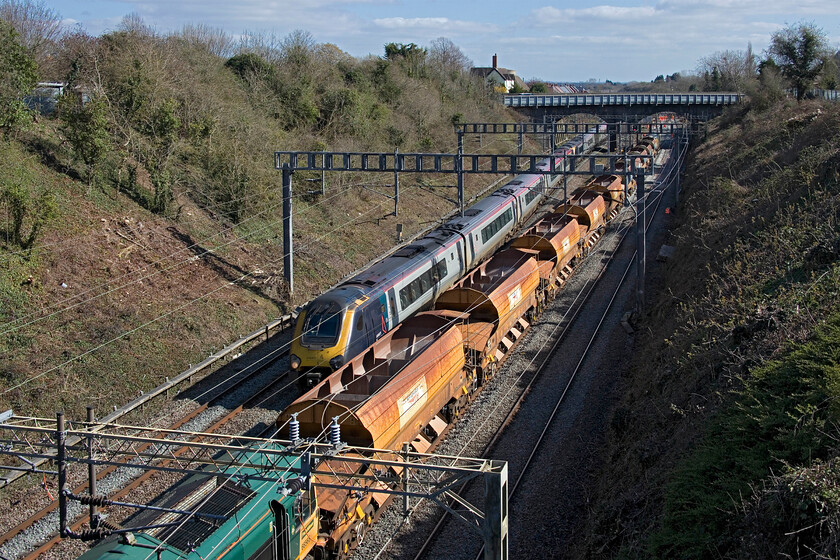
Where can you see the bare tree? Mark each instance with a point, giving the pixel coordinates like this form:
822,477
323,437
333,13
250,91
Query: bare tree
214,39
133,24
728,70
447,56
297,48
37,25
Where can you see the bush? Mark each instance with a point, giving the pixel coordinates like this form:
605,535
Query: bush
17,78
24,209
784,415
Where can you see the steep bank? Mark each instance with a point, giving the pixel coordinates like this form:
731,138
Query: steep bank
157,208
726,442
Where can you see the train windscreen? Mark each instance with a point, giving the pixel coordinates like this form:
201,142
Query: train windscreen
323,323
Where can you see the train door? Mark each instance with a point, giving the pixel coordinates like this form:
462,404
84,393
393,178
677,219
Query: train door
375,313
281,545
360,334
396,317
438,266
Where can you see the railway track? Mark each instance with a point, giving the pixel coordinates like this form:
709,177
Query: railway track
276,387
578,304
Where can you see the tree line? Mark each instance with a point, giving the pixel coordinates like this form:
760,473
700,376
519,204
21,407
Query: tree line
197,113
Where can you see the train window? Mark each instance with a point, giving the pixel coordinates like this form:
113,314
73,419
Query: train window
323,322
496,225
360,324
441,269
531,195
418,287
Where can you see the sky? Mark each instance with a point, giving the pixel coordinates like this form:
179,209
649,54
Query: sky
561,41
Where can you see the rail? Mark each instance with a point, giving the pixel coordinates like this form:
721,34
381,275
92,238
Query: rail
168,385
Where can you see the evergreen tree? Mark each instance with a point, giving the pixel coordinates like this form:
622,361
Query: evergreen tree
17,78
798,51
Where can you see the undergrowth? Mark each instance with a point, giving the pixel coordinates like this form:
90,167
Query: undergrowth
735,395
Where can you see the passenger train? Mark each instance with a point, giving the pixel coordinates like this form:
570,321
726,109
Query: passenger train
408,385
338,325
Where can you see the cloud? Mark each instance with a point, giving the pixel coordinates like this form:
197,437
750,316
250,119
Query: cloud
802,8
436,24
550,15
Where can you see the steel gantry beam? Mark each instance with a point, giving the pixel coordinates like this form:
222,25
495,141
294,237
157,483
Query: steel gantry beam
446,163
397,473
486,164
564,128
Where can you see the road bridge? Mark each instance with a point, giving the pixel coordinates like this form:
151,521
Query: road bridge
615,106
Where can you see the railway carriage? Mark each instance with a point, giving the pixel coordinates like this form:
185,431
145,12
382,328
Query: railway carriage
336,326
406,385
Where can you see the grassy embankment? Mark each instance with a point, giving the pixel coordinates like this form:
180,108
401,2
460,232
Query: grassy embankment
169,244
726,444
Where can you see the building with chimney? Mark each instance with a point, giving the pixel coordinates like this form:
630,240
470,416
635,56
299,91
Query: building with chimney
499,77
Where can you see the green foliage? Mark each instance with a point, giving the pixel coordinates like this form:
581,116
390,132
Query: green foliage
784,415
538,87
403,50
795,515
798,51
24,208
163,195
517,88
830,73
17,78
249,64
133,91
409,56
86,128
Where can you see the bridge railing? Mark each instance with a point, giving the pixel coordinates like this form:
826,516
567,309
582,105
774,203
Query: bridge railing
626,99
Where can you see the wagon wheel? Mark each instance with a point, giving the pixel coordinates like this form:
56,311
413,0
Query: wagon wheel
343,549
490,371
360,529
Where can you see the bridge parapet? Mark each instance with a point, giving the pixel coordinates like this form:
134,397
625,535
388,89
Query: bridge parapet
696,105
623,99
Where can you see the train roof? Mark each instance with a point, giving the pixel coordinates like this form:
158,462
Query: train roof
232,495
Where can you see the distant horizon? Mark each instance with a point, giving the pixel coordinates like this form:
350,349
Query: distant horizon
632,40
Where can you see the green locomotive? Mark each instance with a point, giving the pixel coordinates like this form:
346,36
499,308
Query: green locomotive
245,513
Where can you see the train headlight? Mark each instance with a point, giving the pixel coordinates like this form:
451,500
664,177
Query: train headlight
337,362
294,361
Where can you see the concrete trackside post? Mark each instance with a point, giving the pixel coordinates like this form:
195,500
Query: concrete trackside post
640,242
288,261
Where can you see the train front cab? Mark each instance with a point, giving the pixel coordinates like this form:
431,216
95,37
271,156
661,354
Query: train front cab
331,330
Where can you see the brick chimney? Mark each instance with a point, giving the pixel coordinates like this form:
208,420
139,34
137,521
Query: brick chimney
495,61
